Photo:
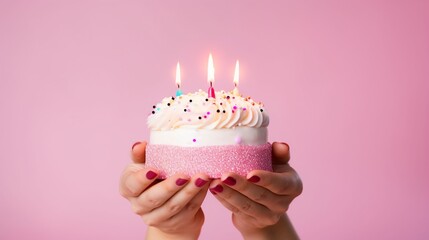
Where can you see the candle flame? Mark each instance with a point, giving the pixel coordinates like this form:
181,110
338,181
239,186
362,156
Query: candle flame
178,80
210,70
236,73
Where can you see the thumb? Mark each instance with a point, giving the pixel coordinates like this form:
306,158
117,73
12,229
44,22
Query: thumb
138,152
281,154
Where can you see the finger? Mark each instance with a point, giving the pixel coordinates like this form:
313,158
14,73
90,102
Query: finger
285,183
254,192
183,205
241,202
136,179
281,154
230,207
157,195
138,152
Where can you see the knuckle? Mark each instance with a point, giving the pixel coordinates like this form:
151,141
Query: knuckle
150,222
168,187
152,202
192,206
189,192
137,209
174,207
246,206
227,194
243,187
262,195
274,218
235,210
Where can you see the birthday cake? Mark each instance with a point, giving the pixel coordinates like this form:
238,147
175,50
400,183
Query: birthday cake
194,133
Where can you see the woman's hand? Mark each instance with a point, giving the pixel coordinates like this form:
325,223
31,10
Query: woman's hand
259,201
171,207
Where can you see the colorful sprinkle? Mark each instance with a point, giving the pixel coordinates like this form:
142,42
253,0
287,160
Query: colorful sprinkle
208,113
194,140
207,99
158,109
200,117
224,111
153,112
168,104
153,106
190,100
218,111
184,110
262,110
235,107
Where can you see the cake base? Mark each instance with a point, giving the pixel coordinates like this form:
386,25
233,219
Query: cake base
211,160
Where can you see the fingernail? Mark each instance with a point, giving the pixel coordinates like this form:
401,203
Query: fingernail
254,179
151,175
181,181
217,189
135,144
213,192
287,145
230,181
200,182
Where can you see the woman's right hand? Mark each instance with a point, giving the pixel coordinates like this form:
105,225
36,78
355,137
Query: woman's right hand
171,207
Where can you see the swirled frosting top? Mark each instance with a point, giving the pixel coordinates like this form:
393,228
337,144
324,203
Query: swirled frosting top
197,111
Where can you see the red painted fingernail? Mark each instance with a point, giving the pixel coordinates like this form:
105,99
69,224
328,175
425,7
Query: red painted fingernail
181,181
254,179
217,189
230,181
135,144
200,182
213,192
151,175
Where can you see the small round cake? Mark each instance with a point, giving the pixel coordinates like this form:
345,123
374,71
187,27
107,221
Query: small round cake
194,133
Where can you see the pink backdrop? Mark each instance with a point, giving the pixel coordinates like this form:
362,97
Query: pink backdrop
346,84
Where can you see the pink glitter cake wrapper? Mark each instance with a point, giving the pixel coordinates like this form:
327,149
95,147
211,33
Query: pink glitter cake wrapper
212,160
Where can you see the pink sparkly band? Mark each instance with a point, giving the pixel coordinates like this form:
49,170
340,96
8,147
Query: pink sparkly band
212,160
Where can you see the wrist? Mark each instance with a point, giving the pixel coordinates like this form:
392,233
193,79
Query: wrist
283,229
189,230
154,233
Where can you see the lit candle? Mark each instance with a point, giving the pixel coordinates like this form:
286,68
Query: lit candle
210,77
236,79
178,80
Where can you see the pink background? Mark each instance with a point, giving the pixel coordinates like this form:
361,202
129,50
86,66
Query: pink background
346,84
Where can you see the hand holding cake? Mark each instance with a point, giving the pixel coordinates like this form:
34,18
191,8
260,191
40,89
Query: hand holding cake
213,140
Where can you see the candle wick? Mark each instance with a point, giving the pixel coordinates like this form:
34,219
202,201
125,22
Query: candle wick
178,85
211,84
235,84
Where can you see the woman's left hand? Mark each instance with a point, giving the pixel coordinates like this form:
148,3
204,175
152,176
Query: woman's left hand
261,199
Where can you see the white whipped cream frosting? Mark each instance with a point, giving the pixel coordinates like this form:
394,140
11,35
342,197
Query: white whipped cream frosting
198,111
195,120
